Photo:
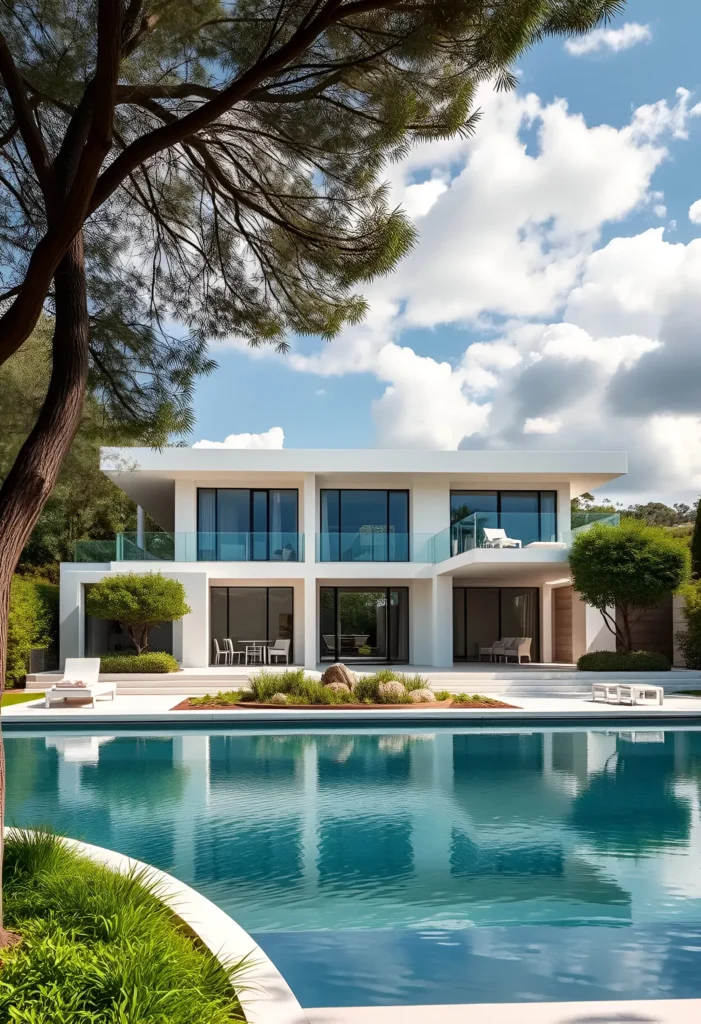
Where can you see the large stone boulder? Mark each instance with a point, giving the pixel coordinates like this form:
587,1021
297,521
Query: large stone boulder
338,673
421,696
392,693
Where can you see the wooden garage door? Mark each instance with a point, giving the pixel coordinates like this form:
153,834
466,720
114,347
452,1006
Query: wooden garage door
562,624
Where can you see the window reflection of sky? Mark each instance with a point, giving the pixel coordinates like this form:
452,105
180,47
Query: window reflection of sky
422,867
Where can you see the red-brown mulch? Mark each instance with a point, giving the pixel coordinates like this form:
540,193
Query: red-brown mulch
185,705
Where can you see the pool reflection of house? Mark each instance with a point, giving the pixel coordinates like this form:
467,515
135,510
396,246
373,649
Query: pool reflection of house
453,826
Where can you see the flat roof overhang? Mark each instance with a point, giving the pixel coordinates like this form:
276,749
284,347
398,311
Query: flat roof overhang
148,475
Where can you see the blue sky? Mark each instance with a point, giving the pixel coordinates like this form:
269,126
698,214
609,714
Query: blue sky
408,377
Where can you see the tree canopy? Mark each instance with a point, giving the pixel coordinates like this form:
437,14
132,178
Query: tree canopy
84,502
138,601
627,568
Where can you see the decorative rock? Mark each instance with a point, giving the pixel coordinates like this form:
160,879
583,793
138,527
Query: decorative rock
338,673
278,698
339,687
392,693
421,696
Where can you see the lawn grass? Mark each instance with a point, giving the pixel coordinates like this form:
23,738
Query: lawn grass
99,948
11,697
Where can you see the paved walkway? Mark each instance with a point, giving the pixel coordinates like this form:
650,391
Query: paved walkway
643,1011
152,710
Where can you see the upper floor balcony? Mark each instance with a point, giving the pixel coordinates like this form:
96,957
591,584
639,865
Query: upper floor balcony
496,531
258,546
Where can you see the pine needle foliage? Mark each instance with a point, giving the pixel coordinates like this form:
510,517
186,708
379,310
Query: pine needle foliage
242,192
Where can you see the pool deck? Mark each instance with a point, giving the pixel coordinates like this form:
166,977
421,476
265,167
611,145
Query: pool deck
157,710
638,1011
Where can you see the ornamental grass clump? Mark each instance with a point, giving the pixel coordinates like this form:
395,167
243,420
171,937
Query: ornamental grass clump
101,948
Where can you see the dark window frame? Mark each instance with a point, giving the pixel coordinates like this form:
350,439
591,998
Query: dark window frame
237,586
376,490
498,512
539,625
387,591
251,492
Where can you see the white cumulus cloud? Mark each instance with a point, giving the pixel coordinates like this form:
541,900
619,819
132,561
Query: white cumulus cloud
612,40
695,212
273,438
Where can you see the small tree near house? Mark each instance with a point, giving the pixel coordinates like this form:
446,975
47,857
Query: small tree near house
624,570
138,602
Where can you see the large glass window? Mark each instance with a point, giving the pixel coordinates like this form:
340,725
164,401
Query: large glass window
251,614
483,615
370,624
364,526
528,516
237,524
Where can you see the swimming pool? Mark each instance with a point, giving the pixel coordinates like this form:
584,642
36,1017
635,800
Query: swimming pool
409,867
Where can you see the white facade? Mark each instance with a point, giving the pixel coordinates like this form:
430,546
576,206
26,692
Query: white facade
166,484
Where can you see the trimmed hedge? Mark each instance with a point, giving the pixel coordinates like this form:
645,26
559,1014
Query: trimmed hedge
32,624
622,661
152,661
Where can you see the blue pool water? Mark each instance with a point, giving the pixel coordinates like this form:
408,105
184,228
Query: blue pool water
380,868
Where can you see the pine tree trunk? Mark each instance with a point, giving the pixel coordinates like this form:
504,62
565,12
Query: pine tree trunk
33,475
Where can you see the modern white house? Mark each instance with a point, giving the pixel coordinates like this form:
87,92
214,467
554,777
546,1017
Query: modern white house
364,556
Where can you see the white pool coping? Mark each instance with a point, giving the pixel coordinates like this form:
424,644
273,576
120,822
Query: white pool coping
157,710
627,1011
265,997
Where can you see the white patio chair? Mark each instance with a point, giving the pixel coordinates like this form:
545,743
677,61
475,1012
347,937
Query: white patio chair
229,644
83,671
494,538
495,651
221,654
519,647
255,654
280,649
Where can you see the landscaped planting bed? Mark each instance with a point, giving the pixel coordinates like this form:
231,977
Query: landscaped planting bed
338,689
98,947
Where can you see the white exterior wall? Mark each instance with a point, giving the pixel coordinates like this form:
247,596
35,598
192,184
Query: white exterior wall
166,484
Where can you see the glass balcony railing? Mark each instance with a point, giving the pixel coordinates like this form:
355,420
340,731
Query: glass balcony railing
511,531
194,547
374,546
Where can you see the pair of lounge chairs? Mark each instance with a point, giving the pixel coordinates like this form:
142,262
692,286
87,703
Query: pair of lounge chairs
80,682
627,693
518,647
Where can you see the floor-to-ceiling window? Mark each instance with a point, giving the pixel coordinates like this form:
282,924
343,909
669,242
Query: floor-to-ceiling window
483,615
527,516
364,526
370,623
248,614
241,524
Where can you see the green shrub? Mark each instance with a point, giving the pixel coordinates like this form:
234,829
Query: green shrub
100,947
299,688
689,641
366,687
151,661
32,624
138,602
624,661
222,697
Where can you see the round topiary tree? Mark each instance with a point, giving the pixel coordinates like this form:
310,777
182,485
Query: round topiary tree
627,568
138,602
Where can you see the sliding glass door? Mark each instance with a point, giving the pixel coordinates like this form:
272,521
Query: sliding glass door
359,623
239,524
483,615
247,614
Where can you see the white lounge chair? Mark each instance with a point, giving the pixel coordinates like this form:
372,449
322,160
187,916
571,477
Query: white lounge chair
497,539
80,670
640,693
280,649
